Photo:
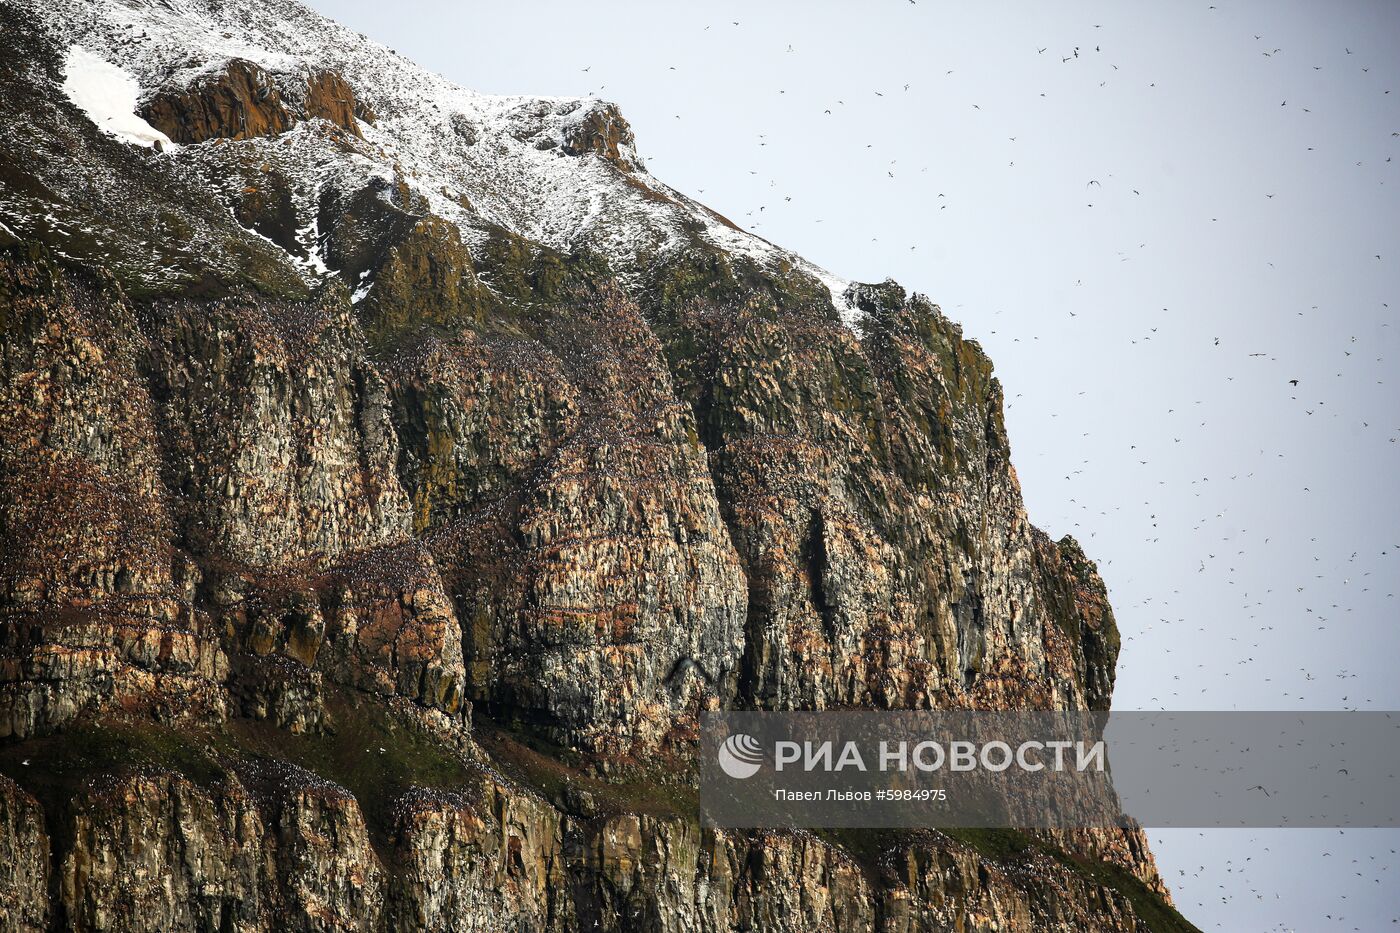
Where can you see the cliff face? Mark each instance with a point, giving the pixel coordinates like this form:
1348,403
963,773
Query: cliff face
389,475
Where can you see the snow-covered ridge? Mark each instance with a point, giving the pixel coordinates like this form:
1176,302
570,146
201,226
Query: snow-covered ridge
477,159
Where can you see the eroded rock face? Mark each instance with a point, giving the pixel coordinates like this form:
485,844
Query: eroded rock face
576,516
155,852
603,130
240,103
867,486
1078,602
285,850
97,604
189,494
330,98
290,540
559,520
496,863
24,873
244,101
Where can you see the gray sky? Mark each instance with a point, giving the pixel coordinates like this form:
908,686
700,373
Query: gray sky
1151,239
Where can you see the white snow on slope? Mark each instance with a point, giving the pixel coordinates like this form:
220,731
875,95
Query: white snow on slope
476,159
107,94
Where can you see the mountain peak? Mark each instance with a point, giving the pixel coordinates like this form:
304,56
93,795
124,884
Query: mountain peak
240,83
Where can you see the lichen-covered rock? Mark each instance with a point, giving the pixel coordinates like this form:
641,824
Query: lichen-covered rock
560,524
328,875
671,875
213,484
573,511
279,848
391,629
24,871
1078,602
307,462
493,864
155,852
97,604
318,479
867,487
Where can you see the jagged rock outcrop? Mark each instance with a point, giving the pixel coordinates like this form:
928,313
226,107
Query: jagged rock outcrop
255,441
243,101
240,102
376,521
602,130
867,485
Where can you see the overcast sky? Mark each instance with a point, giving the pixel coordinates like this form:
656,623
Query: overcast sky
1154,217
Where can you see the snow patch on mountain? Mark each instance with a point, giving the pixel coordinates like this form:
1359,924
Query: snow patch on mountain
108,96
841,296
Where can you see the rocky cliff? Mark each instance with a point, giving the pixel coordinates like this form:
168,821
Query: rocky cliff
390,474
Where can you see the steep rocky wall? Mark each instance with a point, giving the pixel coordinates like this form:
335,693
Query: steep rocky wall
24,873
230,512
278,848
602,595
192,492
364,564
867,485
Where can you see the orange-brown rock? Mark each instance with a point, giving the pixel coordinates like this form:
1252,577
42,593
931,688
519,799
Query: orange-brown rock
330,98
240,102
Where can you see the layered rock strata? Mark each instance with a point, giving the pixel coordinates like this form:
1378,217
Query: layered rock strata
370,545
